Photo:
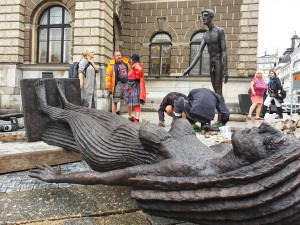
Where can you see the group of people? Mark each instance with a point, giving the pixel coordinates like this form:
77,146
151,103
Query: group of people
122,80
126,81
259,89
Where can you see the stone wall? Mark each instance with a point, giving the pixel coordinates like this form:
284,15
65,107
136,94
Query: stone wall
12,31
182,19
133,22
11,50
93,28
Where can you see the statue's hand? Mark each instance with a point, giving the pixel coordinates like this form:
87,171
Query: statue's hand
46,173
226,77
185,72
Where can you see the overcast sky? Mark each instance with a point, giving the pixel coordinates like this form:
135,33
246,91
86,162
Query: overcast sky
278,21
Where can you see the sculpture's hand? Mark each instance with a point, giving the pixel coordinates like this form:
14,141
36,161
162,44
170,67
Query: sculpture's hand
226,77
185,72
46,173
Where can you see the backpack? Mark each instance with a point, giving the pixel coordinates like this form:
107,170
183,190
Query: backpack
73,71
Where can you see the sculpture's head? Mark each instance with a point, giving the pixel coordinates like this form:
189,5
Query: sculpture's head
207,16
257,143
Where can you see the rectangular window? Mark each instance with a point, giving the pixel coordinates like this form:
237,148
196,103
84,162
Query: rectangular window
43,45
55,45
155,59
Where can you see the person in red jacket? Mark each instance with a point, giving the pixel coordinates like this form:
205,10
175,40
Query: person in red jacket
136,87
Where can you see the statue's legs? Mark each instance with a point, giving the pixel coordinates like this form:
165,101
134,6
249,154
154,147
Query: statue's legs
216,75
107,119
104,149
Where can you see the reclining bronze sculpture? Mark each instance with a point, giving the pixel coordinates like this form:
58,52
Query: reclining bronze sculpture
173,174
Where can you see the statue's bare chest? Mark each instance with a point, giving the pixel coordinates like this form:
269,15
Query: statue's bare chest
212,37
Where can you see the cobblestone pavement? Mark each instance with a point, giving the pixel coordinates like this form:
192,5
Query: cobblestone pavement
20,181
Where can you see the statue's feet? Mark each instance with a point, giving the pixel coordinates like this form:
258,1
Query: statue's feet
40,89
60,84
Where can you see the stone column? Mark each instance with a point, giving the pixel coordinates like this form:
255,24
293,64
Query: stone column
248,38
93,28
11,50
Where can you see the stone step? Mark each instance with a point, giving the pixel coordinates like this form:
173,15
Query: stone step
22,155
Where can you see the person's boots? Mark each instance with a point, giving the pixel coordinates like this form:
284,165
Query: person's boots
279,111
263,111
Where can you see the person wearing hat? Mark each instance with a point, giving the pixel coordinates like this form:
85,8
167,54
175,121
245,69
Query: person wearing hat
136,87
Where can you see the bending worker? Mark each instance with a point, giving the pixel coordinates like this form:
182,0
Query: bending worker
200,106
167,105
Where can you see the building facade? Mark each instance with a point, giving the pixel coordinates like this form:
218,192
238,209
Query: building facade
46,36
295,69
266,63
288,64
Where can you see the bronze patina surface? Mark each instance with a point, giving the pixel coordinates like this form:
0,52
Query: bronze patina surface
255,180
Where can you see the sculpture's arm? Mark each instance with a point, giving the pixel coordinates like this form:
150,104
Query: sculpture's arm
114,177
197,58
51,175
224,54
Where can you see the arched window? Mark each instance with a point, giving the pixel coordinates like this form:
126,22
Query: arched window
202,66
54,36
160,54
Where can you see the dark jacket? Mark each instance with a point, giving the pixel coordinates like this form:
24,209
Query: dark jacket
204,102
273,89
168,100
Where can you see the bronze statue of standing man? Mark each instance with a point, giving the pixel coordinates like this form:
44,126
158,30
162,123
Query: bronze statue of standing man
214,38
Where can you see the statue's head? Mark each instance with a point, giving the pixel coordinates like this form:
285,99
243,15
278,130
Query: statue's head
207,15
258,142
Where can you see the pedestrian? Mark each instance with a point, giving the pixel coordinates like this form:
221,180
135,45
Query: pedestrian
257,90
87,76
274,93
167,105
136,87
200,106
116,81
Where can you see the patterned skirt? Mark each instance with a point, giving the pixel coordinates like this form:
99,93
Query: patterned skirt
134,92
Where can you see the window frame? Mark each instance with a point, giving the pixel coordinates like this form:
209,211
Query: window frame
48,27
160,44
195,43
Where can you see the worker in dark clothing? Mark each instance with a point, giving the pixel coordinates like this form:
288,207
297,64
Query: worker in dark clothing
200,107
167,105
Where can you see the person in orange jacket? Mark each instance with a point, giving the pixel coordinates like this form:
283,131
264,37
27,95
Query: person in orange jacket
136,87
116,81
